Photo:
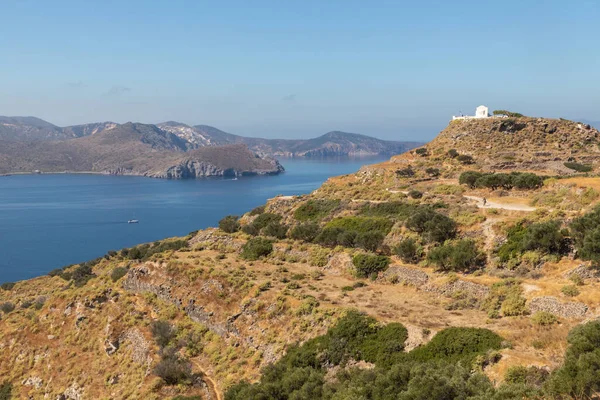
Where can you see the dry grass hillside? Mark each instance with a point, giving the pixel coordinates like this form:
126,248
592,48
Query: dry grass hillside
403,241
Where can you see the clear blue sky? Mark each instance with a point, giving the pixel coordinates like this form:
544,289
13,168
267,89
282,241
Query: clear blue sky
393,69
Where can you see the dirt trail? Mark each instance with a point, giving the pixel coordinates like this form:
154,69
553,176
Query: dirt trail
495,204
212,386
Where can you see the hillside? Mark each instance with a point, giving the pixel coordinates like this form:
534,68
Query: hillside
132,149
434,275
330,144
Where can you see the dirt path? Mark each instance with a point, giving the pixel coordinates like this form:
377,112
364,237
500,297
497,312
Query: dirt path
495,204
212,386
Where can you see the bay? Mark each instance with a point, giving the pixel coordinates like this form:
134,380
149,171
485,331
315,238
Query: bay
49,221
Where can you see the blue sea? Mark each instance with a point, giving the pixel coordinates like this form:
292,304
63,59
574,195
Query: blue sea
49,221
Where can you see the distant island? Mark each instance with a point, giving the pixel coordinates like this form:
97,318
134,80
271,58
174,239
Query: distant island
169,150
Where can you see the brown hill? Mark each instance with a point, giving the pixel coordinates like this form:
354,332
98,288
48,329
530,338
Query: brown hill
402,241
132,149
525,143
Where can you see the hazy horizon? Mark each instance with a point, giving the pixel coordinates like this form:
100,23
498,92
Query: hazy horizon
393,70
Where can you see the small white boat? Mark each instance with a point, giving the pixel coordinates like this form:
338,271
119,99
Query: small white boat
132,221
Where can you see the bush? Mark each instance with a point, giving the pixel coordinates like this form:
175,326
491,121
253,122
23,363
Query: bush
508,113
275,229
6,390
319,257
465,159
315,209
258,210
408,250
452,153
369,241
265,219
362,224
173,368
256,248
544,237
433,172
407,172
117,273
462,255
527,181
456,344
578,167
469,178
367,265
422,151
415,194
329,236
349,238
230,224
7,286
504,297
250,229
570,290
585,230
579,376
82,274
145,251
544,318
162,332
433,227
7,307
306,232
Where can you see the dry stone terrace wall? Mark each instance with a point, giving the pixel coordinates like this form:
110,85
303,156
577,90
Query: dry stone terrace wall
554,306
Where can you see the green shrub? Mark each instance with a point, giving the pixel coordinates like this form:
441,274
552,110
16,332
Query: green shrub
504,297
276,230
433,172
173,368
570,290
230,224
329,236
117,273
348,238
469,178
422,151
362,224
82,274
395,210
453,344
258,210
319,257
250,229
367,265
544,318
162,332
6,390
578,167
452,153
415,194
315,209
408,250
7,286
545,237
7,307
508,113
585,231
145,251
256,248
265,219
432,226
407,172
465,159
579,376
369,241
306,232
462,255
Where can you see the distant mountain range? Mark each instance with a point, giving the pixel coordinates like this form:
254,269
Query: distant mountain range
166,150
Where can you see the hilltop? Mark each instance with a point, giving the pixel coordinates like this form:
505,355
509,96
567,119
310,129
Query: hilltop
399,280
132,149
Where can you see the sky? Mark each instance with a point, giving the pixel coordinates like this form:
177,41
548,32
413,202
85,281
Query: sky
299,68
